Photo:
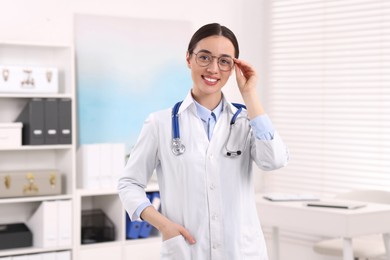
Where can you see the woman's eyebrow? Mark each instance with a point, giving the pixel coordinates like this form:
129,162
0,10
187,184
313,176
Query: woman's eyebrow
207,51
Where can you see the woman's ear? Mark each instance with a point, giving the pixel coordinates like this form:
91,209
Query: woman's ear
188,57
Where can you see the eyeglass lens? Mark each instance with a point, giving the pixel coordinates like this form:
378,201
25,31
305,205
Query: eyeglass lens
204,59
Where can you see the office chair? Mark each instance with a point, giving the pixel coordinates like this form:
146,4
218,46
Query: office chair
364,247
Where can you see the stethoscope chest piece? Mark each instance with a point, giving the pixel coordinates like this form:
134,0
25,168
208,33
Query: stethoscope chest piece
177,147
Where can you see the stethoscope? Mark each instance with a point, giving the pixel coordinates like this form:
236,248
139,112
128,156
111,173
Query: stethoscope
178,148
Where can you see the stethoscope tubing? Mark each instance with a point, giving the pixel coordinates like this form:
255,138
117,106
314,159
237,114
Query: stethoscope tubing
178,148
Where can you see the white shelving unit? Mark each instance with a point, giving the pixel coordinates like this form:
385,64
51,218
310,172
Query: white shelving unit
63,158
36,157
121,248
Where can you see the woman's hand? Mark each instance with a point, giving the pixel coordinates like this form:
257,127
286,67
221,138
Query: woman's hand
246,76
247,79
172,230
167,228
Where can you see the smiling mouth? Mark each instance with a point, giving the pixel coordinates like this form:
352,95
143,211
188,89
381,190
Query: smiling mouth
211,80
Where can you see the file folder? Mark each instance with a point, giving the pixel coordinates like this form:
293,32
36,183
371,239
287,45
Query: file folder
34,257
51,121
65,121
33,122
44,225
132,228
63,255
49,256
64,223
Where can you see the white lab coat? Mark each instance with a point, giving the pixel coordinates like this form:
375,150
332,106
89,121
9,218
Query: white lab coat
208,193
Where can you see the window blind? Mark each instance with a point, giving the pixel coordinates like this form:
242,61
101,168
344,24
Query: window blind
329,94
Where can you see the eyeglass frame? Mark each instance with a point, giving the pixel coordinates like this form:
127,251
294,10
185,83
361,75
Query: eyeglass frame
213,57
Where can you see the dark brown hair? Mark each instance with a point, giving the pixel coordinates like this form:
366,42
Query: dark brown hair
211,30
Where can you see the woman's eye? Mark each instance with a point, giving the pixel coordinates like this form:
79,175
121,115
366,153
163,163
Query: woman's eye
225,61
204,57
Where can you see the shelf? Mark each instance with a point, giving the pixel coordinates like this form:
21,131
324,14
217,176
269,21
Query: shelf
30,250
35,95
101,192
34,199
38,147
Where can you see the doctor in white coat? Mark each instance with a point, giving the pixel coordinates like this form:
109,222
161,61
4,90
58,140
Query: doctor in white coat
207,195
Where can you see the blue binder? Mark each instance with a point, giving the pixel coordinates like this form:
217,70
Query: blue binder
132,228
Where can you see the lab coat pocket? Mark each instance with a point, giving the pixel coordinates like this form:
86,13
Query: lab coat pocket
175,248
254,246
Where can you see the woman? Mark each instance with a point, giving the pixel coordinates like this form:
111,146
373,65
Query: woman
206,187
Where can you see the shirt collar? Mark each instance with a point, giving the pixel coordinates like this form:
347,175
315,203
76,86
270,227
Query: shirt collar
205,113
189,103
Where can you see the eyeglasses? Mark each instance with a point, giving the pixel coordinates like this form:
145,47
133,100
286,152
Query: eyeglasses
203,59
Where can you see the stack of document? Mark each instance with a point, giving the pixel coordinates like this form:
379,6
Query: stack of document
289,197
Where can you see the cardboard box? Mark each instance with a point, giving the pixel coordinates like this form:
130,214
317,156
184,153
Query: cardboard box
25,79
10,135
29,183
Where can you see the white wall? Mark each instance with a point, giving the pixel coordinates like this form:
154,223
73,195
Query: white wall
50,21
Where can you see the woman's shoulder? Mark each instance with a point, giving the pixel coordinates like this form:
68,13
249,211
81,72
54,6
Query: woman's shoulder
160,115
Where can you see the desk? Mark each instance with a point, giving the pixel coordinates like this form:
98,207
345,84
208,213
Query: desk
295,216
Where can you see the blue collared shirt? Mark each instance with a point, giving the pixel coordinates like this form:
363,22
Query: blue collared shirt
261,125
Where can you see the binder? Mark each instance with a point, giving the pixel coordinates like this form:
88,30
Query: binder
49,256
118,162
44,225
132,228
64,223
51,121
63,255
33,122
88,166
105,161
20,257
65,121
34,257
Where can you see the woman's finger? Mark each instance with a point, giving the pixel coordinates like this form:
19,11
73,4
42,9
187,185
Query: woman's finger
187,236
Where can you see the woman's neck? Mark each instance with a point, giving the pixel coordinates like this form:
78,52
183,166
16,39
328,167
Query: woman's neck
209,101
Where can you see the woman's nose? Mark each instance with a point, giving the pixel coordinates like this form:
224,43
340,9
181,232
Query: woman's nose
213,66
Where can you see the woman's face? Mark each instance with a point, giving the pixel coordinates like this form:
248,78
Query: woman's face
210,79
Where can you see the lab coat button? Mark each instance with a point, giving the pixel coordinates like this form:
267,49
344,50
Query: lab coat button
212,187
215,217
211,156
215,246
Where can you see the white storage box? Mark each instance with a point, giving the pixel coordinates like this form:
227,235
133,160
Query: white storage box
19,79
10,135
